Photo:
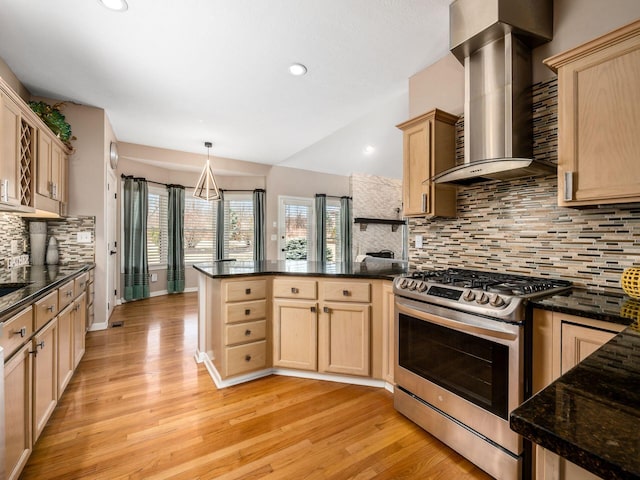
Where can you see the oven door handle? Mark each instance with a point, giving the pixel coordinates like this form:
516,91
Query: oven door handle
481,327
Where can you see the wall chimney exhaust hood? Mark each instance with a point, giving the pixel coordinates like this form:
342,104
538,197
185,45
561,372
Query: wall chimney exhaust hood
493,39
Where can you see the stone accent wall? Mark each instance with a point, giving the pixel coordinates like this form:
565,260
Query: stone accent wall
517,226
376,197
15,227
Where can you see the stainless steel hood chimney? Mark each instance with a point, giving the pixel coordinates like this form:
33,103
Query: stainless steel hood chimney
493,39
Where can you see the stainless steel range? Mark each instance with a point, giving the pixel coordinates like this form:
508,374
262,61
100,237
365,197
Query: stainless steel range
460,359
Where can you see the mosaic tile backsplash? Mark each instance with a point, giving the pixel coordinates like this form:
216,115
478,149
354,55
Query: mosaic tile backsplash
517,227
15,227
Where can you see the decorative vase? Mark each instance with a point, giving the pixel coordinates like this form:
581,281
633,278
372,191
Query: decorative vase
52,251
38,241
630,282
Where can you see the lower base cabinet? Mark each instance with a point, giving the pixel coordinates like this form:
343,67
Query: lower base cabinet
550,466
65,349
18,411
344,334
45,378
295,334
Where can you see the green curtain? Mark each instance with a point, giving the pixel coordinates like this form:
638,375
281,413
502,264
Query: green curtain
175,252
220,228
259,225
345,228
321,227
136,266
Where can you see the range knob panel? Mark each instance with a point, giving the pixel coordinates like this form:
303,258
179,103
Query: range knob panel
469,296
483,299
497,301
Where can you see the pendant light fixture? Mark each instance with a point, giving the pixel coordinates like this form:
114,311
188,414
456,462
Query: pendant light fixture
206,188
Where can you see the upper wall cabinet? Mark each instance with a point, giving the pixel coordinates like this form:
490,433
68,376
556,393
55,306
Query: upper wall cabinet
429,148
598,119
17,148
33,161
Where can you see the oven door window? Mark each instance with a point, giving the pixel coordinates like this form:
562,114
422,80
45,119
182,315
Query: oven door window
474,368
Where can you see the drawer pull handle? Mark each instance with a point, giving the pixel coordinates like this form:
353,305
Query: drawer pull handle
248,291
313,309
50,308
41,345
294,290
346,293
22,332
326,310
247,311
247,358
69,293
247,333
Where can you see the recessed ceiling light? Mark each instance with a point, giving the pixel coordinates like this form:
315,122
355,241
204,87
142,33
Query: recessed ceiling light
115,5
297,69
368,150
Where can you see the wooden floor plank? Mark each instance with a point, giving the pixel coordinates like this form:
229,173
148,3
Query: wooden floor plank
139,407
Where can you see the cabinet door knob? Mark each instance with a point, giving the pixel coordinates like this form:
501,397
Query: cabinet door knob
22,332
313,309
247,311
248,291
346,293
247,333
294,290
50,308
69,293
326,310
41,345
247,358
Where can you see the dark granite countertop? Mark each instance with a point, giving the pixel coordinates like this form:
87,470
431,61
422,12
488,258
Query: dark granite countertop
591,414
39,280
607,306
382,270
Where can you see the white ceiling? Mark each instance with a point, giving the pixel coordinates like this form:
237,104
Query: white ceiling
172,74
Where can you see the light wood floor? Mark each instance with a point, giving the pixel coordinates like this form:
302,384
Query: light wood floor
140,407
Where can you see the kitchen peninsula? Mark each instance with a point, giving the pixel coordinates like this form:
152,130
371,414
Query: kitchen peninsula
316,320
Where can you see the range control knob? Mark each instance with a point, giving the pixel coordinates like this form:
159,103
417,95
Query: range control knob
469,296
421,287
412,285
483,299
497,301
402,283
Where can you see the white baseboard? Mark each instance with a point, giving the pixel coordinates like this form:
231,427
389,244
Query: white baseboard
202,357
98,326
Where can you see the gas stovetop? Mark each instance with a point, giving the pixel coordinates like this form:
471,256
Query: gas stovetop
485,293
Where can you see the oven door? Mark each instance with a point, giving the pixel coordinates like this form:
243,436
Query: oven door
468,367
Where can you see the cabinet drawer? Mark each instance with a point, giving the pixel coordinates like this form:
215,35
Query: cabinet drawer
347,291
80,284
241,312
295,288
245,358
16,331
245,332
65,295
251,290
46,308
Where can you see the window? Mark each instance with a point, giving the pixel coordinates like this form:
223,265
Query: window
199,229
238,226
296,228
157,231
333,236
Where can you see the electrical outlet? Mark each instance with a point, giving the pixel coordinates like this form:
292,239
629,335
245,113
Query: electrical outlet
83,237
154,277
418,241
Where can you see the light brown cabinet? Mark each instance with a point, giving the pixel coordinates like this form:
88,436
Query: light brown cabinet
51,170
388,333
580,341
295,323
344,338
18,411
79,322
45,378
65,349
598,111
428,149
17,149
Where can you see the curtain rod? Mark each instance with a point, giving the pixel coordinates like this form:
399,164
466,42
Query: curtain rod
332,196
123,176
